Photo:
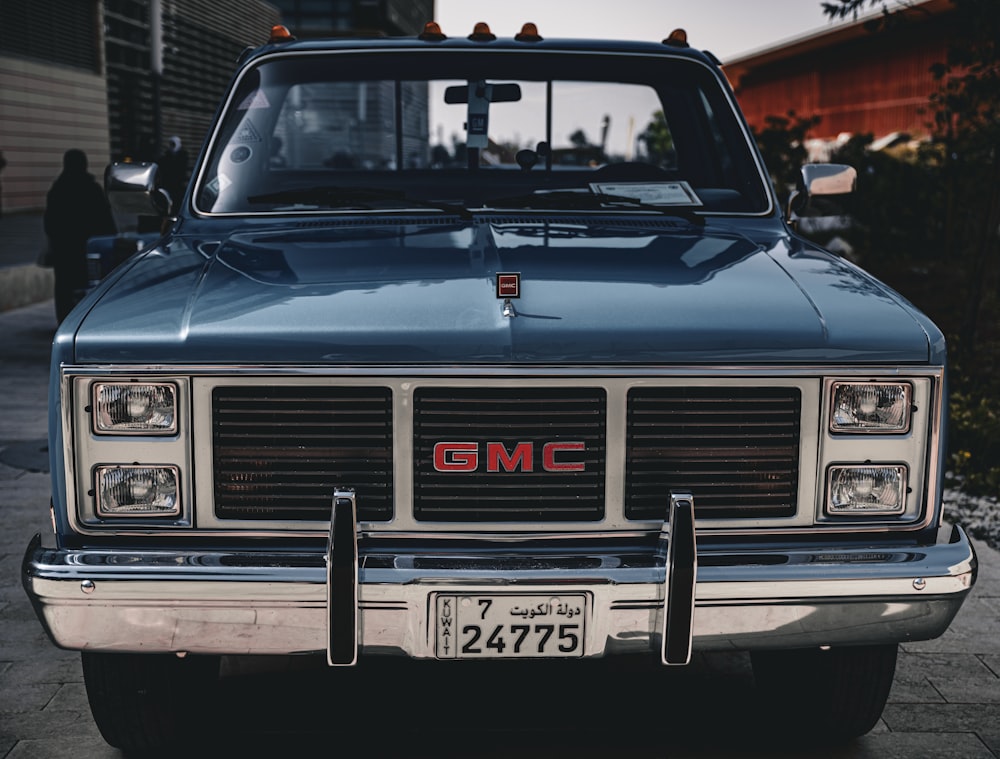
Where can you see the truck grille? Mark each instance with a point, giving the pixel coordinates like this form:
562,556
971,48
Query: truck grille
281,451
504,454
735,449
521,420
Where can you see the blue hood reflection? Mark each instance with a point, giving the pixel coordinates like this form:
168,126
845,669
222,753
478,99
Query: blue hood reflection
646,291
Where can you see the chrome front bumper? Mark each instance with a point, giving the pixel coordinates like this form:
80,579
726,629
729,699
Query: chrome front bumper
280,603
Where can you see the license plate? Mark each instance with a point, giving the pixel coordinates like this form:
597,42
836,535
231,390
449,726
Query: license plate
509,627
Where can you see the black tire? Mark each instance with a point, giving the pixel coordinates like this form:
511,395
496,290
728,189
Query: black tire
825,696
149,703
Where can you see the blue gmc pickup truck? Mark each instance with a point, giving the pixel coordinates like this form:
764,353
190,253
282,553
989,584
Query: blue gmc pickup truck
469,347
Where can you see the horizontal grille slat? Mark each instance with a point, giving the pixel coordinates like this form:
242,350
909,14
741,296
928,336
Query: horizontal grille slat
735,449
518,419
280,451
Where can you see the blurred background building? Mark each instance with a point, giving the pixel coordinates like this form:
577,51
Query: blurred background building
53,93
321,18
854,80
116,78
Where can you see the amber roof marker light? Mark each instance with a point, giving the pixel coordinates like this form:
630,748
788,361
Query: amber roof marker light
677,38
432,32
481,33
280,33
528,33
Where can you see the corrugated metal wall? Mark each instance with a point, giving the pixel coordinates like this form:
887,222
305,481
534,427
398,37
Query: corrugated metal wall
77,74
201,42
878,83
52,95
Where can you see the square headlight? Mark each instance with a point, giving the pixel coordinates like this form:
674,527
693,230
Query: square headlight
135,490
135,408
866,490
871,407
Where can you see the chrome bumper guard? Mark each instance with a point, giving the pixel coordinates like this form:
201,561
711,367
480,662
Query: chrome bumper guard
678,599
681,574
342,581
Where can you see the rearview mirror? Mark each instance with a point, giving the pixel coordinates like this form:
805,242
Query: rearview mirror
492,93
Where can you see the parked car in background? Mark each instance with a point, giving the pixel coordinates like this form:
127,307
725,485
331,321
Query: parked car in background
467,348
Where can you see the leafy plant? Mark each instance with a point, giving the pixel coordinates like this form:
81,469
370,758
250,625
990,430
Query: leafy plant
782,145
928,222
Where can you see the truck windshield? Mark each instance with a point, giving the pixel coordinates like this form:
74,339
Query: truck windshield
313,133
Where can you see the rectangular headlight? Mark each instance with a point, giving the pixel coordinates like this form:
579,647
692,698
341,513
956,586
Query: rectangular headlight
135,408
866,489
134,490
874,407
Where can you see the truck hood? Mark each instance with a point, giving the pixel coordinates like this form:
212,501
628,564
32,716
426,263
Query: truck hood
627,291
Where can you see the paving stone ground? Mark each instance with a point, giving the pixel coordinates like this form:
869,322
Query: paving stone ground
945,701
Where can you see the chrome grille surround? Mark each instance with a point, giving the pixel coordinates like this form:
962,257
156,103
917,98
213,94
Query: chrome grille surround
192,449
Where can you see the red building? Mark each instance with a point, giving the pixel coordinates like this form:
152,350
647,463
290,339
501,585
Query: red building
856,80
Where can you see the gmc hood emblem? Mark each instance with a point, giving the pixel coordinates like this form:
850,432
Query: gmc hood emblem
509,285
468,456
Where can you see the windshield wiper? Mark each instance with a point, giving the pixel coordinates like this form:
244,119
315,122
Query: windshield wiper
575,200
339,196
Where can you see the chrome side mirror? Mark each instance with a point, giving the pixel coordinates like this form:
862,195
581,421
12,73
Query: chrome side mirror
831,181
132,191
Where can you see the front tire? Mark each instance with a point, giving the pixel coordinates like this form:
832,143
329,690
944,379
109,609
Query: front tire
147,703
829,695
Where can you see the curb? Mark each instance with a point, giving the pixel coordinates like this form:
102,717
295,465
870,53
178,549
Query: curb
24,285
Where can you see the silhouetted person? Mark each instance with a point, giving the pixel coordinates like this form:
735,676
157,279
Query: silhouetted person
173,171
76,209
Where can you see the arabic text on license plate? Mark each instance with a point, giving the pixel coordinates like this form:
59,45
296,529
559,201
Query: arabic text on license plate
502,627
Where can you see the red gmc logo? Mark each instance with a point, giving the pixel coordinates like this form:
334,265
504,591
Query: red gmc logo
509,285
466,457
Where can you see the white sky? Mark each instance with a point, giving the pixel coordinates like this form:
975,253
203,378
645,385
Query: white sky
728,28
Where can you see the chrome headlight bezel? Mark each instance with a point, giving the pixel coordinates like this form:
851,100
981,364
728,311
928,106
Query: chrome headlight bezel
159,480
872,483
869,408
119,408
